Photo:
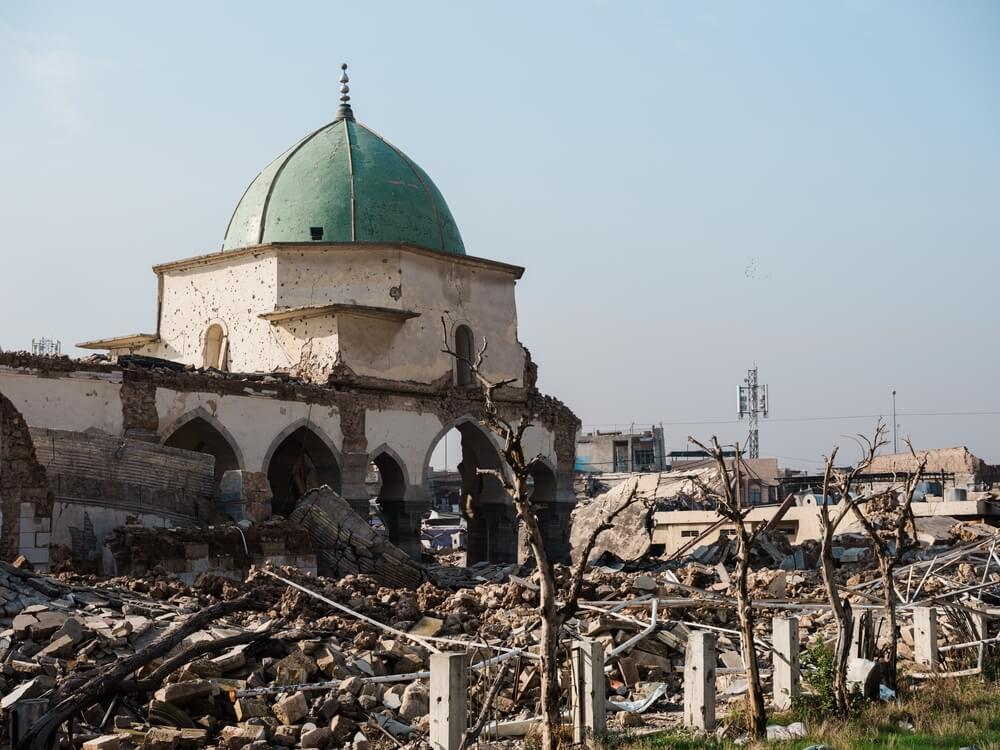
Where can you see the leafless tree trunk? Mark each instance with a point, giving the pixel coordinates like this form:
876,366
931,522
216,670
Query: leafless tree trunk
729,499
553,608
842,483
885,518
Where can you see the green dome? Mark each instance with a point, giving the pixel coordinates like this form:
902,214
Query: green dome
350,183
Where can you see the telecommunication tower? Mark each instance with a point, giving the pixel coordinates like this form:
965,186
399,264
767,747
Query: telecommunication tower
752,404
45,347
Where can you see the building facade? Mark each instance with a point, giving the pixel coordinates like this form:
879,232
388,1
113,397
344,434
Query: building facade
307,349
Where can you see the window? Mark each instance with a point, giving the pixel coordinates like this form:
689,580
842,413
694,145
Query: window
465,348
621,457
644,458
689,533
216,352
755,495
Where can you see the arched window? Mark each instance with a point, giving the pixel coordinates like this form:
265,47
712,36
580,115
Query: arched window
465,347
216,348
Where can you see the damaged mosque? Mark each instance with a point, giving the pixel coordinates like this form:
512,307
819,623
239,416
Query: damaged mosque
305,351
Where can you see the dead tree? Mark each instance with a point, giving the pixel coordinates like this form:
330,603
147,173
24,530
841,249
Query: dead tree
842,483
885,519
554,606
728,495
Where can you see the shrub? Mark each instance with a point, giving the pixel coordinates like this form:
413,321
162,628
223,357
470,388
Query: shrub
817,674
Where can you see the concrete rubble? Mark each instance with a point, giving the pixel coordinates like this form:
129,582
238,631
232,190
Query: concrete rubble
341,660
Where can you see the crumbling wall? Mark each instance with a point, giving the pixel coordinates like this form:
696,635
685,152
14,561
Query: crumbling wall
99,481
356,416
966,467
25,499
227,551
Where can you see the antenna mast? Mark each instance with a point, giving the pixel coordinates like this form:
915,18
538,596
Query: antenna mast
752,403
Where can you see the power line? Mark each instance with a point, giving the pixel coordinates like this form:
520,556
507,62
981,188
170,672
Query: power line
815,419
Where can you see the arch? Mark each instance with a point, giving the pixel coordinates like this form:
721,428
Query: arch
465,347
486,506
292,427
300,459
543,480
215,346
198,430
392,472
466,425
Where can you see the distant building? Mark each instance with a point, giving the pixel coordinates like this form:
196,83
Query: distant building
604,452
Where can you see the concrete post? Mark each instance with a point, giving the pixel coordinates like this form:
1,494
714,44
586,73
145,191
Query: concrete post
699,681
449,689
980,627
925,636
588,699
785,636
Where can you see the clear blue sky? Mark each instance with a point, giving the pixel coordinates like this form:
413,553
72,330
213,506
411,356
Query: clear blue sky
692,186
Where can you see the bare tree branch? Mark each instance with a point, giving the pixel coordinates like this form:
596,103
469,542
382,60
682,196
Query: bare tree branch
472,734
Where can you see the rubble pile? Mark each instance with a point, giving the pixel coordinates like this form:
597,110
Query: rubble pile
300,660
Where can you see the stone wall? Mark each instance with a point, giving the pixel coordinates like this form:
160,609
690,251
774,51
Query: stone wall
356,419
25,499
226,551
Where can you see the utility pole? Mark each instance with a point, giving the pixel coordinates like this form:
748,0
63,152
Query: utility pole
752,403
895,445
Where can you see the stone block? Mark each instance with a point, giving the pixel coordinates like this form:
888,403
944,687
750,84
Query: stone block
427,626
162,738
317,739
342,729
179,693
104,742
416,701
249,708
241,735
291,710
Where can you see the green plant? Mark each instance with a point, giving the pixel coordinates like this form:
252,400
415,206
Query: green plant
818,675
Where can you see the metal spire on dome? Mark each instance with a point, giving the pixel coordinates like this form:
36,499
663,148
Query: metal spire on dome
344,110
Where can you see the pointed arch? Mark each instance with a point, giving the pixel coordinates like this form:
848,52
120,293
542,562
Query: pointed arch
468,426
201,431
392,472
486,506
543,479
300,458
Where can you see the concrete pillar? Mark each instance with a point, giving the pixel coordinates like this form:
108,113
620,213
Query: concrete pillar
245,495
402,524
449,690
352,480
588,698
785,637
925,636
699,681
492,534
980,629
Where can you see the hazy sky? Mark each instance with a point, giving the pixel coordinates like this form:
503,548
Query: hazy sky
692,187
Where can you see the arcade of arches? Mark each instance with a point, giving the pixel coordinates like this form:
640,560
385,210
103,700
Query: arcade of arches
304,458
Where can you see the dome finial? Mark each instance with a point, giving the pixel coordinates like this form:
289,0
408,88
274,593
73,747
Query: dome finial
344,110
